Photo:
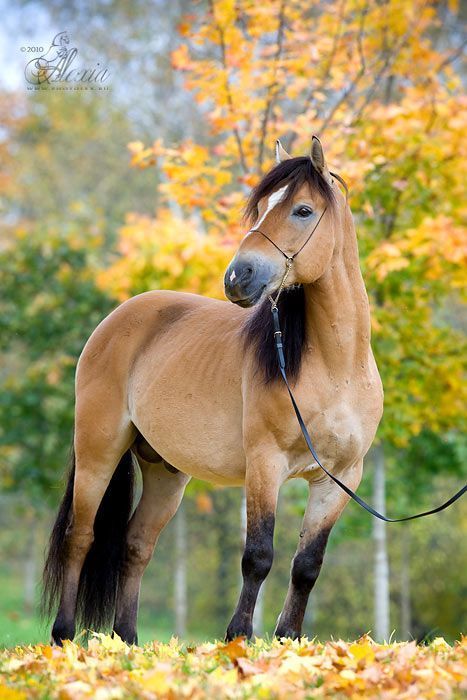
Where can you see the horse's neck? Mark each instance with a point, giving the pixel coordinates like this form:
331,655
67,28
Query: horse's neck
338,318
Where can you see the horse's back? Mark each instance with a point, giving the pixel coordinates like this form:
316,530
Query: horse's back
138,321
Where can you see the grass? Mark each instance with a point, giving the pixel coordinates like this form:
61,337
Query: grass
19,626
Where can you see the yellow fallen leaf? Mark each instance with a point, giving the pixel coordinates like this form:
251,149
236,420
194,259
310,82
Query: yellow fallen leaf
7,693
111,643
229,676
362,651
440,644
75,691
348,674
155,681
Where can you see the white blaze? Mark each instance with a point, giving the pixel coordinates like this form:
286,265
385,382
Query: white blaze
273,199
232,276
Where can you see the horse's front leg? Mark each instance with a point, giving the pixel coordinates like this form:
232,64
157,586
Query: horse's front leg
263,480
325,504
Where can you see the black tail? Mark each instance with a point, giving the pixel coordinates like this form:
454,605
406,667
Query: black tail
52,578
99,576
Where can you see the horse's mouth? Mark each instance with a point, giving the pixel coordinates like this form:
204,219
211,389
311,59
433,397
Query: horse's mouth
253,299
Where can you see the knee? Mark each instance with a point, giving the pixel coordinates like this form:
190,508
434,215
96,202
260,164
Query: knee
305,570
79,541
138,555
257,560
307,563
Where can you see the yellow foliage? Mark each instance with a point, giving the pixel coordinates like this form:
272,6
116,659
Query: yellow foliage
437,244
166,252
236,670
389,106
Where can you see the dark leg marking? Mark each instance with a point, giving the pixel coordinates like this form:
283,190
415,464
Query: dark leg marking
256,564
127,614
305,571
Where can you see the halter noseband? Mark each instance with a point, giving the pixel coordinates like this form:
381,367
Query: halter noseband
288,258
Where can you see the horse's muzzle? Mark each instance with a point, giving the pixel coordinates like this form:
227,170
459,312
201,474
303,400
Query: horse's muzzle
245,281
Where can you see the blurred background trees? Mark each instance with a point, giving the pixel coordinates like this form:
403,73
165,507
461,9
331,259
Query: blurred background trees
199,94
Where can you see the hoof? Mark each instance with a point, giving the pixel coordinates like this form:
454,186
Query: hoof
126,634
236,629
60,632
287,633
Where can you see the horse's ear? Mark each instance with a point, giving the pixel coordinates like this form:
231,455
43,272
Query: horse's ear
281,153
318,160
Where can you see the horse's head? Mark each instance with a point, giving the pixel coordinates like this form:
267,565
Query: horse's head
292,215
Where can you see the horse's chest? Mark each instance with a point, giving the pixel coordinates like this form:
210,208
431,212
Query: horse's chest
339,430
338,433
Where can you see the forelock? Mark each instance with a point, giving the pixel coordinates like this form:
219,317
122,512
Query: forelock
293,172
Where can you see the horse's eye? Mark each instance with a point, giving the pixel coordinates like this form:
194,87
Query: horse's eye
303,212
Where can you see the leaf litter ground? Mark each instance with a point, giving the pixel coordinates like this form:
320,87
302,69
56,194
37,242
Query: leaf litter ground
108,668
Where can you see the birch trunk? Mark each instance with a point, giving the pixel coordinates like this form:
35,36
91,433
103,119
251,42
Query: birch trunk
381,564
30,570
180,572
406,611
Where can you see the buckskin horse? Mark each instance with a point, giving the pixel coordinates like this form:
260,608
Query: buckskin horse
190,387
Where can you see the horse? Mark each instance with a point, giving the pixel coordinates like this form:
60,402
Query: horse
188,386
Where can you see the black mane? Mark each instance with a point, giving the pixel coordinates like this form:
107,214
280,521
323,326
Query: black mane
258,332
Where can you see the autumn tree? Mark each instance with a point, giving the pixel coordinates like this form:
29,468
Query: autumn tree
49,306
380,85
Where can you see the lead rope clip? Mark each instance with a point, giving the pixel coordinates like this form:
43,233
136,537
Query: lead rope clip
288,265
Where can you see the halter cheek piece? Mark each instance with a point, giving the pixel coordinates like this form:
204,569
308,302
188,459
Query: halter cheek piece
288,259
281,361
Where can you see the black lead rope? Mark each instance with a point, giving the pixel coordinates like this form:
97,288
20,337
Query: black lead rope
348,491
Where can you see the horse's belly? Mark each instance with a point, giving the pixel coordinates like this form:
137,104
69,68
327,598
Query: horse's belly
205,446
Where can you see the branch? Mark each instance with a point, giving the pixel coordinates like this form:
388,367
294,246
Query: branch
272,90
230,103
332,54
452,57
335,43
388,62
361,72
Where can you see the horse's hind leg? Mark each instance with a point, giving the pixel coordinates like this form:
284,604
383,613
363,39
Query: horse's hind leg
325,504
162,494
100,446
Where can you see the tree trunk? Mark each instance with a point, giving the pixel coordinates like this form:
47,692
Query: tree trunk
224,524
406,611
310,615
381,565
180,572
258,617
30,570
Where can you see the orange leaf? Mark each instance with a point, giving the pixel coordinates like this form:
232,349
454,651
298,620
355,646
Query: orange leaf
234,649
